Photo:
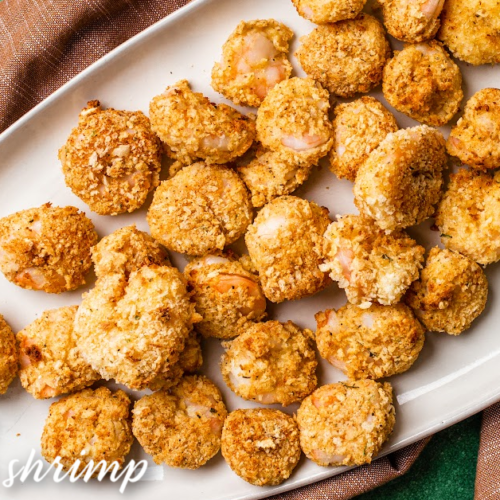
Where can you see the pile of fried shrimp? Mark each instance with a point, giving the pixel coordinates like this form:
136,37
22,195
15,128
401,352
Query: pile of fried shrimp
232,177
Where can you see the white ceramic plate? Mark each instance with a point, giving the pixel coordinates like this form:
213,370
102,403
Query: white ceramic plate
453,378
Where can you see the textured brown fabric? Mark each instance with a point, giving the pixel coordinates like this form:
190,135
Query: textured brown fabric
488,463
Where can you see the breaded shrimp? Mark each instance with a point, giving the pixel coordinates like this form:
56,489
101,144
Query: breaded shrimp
8,356
328,11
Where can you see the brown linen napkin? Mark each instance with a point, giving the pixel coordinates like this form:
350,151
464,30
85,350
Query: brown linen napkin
43,44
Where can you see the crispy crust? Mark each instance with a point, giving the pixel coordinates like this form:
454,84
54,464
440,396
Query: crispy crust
8,356
112,159
346,423
271,363
346,57
88,425
261,445
328,11
46,248
424,83
181,427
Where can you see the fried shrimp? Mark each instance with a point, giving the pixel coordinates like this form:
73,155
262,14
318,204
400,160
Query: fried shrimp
359,127
193,128
112,159
261,445
134,329
50,364
271,363
254,60
369,264
181,427
284,244
475,139
293,121
412,22
227,296
468,216
88,425
8,356
370,343
347,57
450,294
46,248
201,209
471,30
346,423
400,183
424,83
328,11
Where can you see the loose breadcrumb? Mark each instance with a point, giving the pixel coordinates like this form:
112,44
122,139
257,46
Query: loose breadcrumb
8,356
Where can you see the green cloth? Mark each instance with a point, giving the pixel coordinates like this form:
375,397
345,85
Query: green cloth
445,470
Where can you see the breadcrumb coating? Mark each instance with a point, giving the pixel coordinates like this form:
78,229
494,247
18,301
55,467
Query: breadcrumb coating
193,128
201,209
346,423
261,445
475,139
254,60
293,121
181,427
284,244
370,343
369,264
271,362
359,127
126,250
471,30
328,11
424,83
412,22
88,425
8,356
467,216
226,295
450,294
112,159
50,364
400,183
133,330
346,57
46,248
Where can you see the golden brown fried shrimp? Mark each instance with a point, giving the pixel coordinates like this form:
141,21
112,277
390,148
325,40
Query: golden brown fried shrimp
88,425
133,330
271,363
112,159
127,250
8,356
328,11
346,423
293,121
181,427
424,83
471,30
450,294
50,364
285,243
475,139
261,445
412,22
468,216
201,209
370,343
228,297
193,128
369,264
254,60
46,248
400,183
346,57
359,127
